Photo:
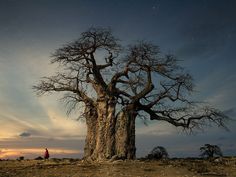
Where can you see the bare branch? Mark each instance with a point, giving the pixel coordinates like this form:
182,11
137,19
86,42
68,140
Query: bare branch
151,82
188,117
62,83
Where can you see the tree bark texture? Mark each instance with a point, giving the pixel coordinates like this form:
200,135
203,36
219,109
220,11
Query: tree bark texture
125,135
91,122
108,135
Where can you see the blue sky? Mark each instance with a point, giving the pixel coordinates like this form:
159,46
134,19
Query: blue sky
201,33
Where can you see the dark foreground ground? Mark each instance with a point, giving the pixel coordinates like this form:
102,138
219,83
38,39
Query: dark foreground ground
224,167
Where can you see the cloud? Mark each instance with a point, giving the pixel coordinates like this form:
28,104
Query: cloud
32,147
231,112
55,125
60,126
217,87
13,125
6,154
35,152
157,128
24,134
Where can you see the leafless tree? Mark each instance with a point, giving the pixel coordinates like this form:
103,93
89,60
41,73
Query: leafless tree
209,151
117,84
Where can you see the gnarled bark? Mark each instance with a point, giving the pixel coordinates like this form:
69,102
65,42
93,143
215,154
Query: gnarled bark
109,135
100,139
125,134
91,122
104,141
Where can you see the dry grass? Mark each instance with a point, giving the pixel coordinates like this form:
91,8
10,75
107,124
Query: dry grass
74,167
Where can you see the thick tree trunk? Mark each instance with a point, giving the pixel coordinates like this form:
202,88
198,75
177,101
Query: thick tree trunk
125,134
108,135
91,122
102,132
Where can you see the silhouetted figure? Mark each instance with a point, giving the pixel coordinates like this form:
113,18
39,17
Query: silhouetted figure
46,154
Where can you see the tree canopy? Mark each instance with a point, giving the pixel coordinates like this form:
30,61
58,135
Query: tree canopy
138,74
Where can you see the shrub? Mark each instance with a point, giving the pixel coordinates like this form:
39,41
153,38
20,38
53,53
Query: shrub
38,158
21,158
158,152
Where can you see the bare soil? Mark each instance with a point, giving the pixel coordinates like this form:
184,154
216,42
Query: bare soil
223,167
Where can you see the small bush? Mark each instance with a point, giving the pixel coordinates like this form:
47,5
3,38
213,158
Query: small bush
38,158
21,158
158,152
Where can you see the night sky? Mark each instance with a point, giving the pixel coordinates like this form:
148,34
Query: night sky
200,33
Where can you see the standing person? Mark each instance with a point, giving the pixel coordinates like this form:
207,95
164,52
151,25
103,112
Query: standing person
46,154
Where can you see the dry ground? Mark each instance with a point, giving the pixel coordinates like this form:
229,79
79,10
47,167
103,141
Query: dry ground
225,167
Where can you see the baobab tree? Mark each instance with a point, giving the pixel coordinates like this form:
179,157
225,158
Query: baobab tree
116,85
